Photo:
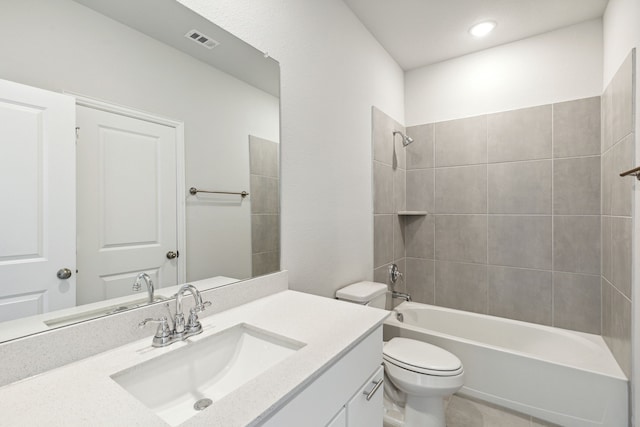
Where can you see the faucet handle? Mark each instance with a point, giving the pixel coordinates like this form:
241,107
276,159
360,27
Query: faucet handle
163,327
163,333
193,324
200,307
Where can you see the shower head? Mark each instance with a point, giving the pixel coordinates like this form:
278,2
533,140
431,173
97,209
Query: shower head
406,140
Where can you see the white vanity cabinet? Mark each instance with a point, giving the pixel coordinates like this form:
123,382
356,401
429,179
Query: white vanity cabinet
338,397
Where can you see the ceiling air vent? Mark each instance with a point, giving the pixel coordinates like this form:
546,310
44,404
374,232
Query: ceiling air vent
202,39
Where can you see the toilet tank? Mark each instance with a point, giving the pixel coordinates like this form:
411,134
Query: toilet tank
372,294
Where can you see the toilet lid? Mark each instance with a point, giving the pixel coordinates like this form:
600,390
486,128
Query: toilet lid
421,357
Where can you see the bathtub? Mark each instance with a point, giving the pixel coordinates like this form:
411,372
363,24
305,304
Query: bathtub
564,377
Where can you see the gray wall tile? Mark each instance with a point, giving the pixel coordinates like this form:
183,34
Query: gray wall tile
621,229
264,157
399,190
420,190
576,186
461,286
520,294
420,152
265,233
461,189
607,178
577,302
420,236
622,100
576,128
576,244
606,247
398,237
607,119
383,200
520,188
265,194
616,325
523,134
461,142
621,330
621,187
420,279
461,238
382,239
265,263
607,297
519,241
399,151
617,192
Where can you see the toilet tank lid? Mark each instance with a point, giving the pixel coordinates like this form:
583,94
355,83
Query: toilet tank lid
361,292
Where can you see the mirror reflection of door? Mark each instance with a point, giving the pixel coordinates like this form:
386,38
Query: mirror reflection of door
127,203
37,218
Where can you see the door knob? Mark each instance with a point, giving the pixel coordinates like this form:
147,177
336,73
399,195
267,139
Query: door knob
173,255
64,273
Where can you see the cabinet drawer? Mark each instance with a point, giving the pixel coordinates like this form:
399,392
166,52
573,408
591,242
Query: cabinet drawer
365,407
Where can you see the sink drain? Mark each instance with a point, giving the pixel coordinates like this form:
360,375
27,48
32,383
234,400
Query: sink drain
202,404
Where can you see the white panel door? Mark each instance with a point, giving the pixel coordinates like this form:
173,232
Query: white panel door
127,204
37,185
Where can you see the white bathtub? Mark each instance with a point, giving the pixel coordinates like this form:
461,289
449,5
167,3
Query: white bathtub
564,377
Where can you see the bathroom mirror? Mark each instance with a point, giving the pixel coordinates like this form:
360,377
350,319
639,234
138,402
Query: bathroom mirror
142,63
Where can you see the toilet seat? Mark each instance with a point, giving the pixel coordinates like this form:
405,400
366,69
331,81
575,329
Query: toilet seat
421,357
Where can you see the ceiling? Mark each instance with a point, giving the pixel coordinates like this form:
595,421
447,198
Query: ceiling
422,32
168,21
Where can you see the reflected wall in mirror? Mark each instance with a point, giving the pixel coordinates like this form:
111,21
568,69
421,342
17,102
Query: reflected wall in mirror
158,112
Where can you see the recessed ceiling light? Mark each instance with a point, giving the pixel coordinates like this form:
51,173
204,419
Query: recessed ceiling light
482,29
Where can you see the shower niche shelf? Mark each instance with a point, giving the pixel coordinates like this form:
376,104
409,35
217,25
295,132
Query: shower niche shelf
412,213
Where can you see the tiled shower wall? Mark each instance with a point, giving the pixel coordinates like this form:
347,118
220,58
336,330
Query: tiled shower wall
513,228
389,196
617,156
265,206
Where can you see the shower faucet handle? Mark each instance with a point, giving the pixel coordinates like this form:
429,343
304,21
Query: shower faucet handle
394,273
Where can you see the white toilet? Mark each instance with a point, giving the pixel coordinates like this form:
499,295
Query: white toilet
424,372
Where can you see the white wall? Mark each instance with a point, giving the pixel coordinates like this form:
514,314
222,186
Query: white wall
60,45
332,72
621,33
557,66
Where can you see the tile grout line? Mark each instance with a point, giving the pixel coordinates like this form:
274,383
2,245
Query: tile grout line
553,281
486,145
433,169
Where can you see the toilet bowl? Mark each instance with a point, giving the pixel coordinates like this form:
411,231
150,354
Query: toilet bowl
426,374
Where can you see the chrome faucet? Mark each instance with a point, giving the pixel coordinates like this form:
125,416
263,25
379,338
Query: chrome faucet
394,275
193,326
136,285
166,335
401,295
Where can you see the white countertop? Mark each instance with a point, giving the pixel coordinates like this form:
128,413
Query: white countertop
82,393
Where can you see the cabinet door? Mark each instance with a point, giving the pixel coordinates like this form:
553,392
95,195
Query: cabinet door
365,408
340,420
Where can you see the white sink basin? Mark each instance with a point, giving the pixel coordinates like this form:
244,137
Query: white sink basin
173,384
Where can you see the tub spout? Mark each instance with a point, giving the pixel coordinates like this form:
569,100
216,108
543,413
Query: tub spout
401,295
